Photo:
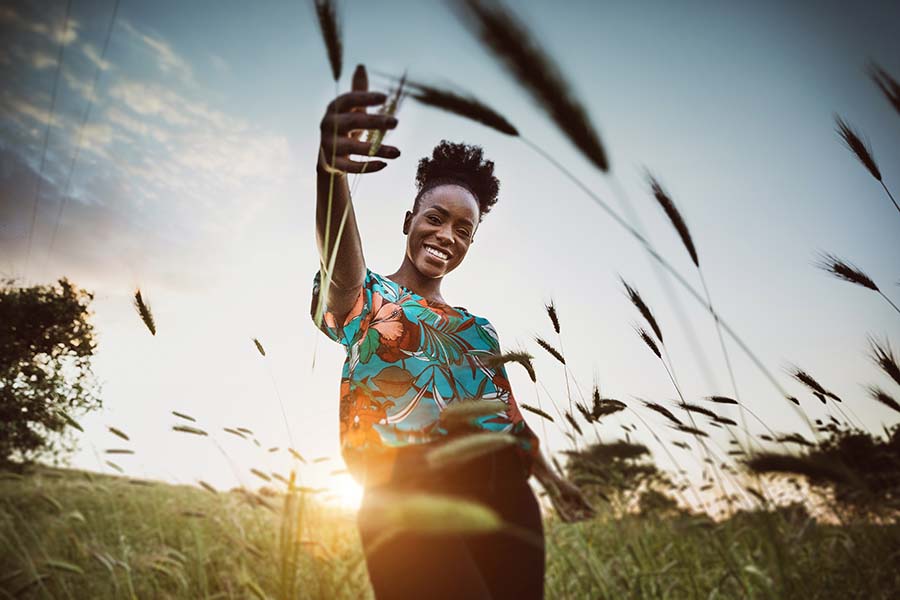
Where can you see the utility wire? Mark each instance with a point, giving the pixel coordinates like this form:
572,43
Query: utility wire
84,119
40,178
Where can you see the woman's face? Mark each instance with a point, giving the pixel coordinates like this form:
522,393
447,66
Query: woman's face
439,234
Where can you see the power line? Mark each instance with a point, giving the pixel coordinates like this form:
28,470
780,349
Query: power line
40,177
84,119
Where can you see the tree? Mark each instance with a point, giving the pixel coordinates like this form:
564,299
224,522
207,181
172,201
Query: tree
615,473
46,345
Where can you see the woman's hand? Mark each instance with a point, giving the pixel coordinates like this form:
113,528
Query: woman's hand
342,126
568,500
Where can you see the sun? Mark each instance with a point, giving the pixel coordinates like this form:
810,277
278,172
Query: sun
346,492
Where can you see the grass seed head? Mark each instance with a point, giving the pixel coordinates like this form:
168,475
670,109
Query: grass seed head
468,447
571,420
721,400
144,312
189,429
118,433
461,104
459,415
331,34
259,346
882,355
537,411
554,318
651,343
553,351
856,145
642,307
507,37
881,396
665,201
518,356
663,411
887,84
844,270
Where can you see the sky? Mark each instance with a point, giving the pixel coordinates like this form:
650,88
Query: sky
192,179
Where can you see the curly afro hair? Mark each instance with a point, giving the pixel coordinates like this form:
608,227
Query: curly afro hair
459,164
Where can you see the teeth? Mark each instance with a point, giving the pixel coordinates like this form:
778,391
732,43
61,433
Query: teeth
435,252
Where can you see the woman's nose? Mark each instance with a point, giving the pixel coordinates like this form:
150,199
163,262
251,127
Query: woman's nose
445,235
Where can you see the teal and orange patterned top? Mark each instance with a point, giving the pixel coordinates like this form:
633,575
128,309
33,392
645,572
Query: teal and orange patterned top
407,360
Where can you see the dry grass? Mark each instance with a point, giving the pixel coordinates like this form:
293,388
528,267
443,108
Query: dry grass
144,312
887,84
461,104
467,447
882,355
881,396
668,205
554,318
845,271
642,307
550,349
518,356
510,41
857,146
651,343
331,34
259,347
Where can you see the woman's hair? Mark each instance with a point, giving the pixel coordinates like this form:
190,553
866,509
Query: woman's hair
459,164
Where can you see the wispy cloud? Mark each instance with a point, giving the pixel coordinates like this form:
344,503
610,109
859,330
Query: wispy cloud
55,30
167,60
93,55
40,60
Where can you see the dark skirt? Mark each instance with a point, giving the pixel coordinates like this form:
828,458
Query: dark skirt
471,566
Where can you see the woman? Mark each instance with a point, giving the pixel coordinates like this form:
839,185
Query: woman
410,354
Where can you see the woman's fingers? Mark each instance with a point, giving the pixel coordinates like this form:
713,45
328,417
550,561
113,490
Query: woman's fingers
343,147
347,146
360,84
349,121
354,166
349,100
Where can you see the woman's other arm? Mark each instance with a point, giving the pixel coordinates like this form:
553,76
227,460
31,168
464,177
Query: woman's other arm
340,130
565,496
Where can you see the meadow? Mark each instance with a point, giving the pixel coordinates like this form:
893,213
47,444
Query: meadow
820,523
76,534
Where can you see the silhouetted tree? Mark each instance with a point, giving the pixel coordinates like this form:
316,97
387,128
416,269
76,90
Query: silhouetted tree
616,473
46,345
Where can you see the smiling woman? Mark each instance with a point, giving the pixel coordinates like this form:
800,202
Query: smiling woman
410,356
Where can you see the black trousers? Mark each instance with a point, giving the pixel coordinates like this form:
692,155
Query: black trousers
485,566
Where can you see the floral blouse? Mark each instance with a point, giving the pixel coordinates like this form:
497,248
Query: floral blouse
407,360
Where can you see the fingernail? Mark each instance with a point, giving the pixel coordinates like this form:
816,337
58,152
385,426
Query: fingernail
392,122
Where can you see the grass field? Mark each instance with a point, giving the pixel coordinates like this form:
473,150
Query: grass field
74,534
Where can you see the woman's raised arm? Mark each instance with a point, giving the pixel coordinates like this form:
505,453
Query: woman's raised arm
344,121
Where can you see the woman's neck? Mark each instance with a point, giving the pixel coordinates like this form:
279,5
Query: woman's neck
412,279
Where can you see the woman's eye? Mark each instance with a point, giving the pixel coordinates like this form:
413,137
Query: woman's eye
434,220
463,232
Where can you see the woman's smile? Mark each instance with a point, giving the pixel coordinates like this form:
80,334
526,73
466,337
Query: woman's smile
434,251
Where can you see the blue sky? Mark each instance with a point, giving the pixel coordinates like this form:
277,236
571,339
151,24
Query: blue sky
195,182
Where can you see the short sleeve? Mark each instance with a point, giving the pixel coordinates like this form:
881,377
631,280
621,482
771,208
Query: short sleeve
352,328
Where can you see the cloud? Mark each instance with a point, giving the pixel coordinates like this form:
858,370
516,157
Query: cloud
138,127
42,60
104,244
151,100
167,59
93,55
83,88
25,108
58,30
